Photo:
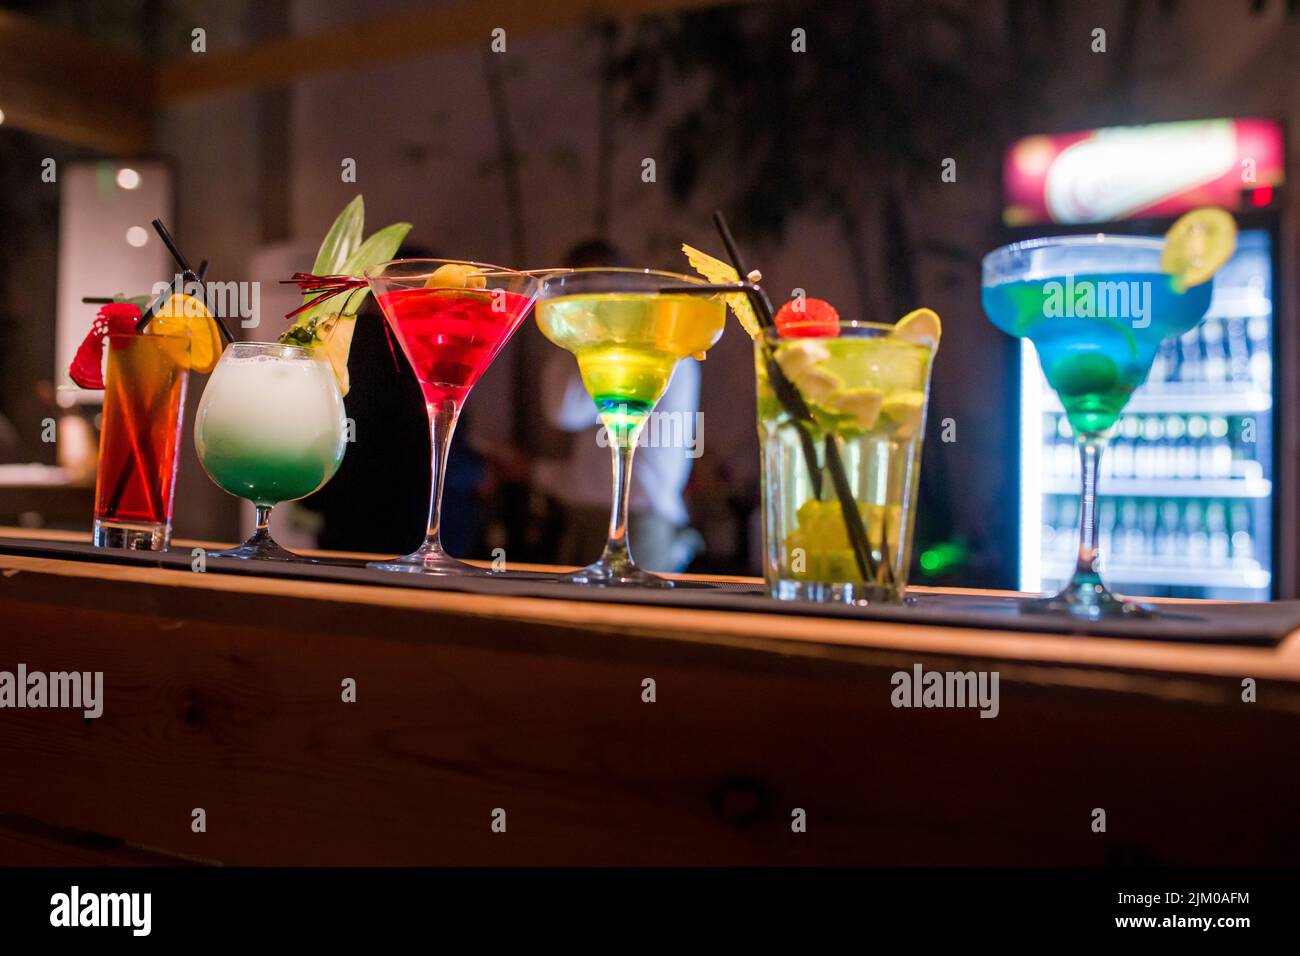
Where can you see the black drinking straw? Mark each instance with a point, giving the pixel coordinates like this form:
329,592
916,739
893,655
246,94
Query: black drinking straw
186,275
800,414
119,489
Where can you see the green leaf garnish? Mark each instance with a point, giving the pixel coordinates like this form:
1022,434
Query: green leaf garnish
342,240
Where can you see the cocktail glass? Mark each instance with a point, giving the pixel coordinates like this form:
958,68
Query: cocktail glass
867,391
144,410
628,329
451,319
1096,308
270,428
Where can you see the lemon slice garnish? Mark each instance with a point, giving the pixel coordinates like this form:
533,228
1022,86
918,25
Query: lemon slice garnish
183,315
921,326
720,273
1197,246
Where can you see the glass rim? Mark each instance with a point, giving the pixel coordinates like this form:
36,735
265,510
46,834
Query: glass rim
877,330
273,347
619,270
376,271
1094,239
163,336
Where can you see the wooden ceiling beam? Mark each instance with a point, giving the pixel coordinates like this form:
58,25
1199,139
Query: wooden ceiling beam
55,83
396,37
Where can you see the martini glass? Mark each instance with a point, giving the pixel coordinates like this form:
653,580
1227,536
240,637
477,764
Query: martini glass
451,319
628,329
1096,308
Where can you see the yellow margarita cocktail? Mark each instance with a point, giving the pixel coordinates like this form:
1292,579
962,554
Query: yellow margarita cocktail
627,329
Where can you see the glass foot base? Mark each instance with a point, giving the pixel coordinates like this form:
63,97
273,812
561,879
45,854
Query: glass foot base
829,593
130,537
261,549
602,574
429,561
1090,601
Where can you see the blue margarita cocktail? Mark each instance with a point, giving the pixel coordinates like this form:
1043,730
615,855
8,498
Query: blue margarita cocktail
1097,308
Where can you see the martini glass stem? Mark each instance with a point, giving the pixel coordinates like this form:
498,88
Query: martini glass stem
442,423
1090,449
622,448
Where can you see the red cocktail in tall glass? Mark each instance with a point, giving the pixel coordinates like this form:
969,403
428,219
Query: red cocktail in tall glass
451,318
144,408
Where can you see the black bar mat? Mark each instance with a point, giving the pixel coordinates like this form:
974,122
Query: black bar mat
1257,624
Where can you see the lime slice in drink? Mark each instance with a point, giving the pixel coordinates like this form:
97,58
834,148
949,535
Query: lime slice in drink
1197,246
818,385
904,409
798,357
861,405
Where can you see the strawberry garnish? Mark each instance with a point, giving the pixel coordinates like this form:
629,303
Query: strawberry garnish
807,319
115,318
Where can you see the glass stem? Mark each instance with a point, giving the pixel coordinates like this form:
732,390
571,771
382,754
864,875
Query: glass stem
1090,449
442,422
261,525
622,446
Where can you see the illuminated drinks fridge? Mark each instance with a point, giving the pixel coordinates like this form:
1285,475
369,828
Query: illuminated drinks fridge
1196,484
451,319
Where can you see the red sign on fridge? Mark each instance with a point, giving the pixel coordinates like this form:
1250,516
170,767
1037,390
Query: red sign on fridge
1128,172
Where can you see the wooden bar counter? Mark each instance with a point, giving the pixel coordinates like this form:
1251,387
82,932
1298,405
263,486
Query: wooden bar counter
225,694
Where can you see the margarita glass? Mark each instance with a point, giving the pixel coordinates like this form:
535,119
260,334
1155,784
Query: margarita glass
269,428
628,329
451,319
1096,308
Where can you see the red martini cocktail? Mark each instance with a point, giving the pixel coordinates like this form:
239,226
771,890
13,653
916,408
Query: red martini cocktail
451,319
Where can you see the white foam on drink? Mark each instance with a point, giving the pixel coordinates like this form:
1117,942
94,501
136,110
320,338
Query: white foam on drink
268,403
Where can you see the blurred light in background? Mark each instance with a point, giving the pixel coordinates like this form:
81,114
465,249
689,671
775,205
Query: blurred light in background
95,216
2,116
128,178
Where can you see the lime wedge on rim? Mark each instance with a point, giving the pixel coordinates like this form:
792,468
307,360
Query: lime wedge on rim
921,326
1197,246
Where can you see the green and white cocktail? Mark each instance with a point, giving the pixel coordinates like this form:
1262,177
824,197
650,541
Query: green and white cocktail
270,428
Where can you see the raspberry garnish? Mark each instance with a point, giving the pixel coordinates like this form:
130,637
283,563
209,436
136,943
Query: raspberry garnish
807,319
115,318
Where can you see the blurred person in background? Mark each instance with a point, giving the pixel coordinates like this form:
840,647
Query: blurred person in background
11,446
579,484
